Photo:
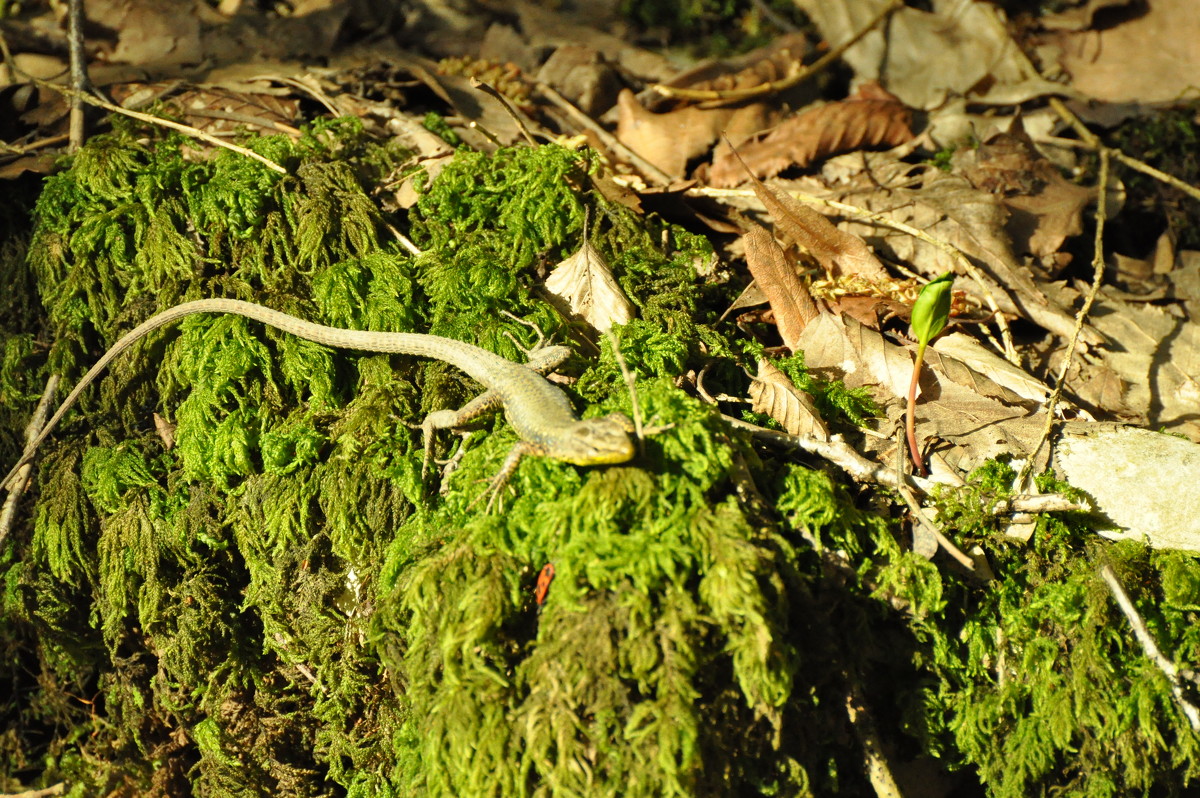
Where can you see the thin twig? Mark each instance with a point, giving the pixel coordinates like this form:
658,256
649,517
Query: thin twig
919,517
1149,646
837,452
713,97
1040,503
491,91
79,75
1080,317
158,120
17,485
1092,142
404,240
1010,350
608,139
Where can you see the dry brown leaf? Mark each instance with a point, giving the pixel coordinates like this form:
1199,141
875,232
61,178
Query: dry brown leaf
584,283
839,253
1102,387
1149,57
857,355
789,297
925,57
669,140
544,26
1156,355
981,376
773,393
582,75
1017,386
1045,208
872,119
1042,221
156,32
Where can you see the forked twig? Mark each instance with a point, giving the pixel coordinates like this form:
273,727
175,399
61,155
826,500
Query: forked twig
1091,141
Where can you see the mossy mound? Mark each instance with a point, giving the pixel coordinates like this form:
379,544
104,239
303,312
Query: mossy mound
277,603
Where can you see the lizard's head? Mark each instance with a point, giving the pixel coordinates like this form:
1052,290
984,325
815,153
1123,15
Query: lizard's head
597,441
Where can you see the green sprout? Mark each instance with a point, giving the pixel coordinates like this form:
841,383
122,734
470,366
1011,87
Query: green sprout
930,313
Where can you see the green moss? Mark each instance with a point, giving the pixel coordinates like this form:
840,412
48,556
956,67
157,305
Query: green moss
279,603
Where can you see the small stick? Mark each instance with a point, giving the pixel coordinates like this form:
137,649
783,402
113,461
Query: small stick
1149,647
712,98
608,139
18,483
838,452
79,75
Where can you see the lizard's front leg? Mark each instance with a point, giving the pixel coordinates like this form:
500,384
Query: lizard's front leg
542,360
450,419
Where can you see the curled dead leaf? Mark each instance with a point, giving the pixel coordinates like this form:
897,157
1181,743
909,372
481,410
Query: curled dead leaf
839,253
772,392
585,285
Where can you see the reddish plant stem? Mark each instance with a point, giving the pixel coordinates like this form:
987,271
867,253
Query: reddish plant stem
911,422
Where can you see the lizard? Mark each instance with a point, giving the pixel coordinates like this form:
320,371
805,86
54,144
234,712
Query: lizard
538,411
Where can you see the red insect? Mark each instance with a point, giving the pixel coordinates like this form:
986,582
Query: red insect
545,577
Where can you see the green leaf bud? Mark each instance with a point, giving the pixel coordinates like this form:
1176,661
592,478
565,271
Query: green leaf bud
931,311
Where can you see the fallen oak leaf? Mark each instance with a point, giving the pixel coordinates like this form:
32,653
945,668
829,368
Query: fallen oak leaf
772,392
1045,208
